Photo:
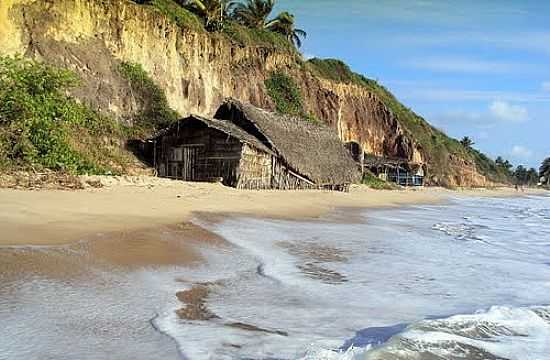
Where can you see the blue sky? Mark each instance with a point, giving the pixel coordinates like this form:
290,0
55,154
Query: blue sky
471,68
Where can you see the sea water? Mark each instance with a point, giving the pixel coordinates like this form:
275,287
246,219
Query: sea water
466,280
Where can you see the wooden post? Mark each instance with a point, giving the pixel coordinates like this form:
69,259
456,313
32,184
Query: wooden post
398,176
155,157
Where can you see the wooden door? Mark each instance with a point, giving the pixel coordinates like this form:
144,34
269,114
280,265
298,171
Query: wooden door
190,157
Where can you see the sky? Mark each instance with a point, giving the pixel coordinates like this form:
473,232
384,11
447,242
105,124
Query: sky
471,68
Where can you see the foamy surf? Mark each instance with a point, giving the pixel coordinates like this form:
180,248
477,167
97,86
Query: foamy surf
513,333
377,290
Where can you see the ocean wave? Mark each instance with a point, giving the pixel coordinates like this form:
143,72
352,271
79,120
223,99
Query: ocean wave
500,333
460,231
511,333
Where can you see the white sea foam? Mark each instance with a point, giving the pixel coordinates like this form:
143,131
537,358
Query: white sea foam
518,333
399,267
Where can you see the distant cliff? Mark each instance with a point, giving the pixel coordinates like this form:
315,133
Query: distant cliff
197,69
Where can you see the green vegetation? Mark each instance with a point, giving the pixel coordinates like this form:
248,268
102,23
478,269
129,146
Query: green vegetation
286,95
524,176
285,24
489,167
245,23
255,14
42,128
175,12
248,37
336,70
214,12
545,170
374,182
155,112
467,142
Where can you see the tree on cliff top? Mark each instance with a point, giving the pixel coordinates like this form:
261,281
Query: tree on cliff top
467,142
285,25
254,13
214,12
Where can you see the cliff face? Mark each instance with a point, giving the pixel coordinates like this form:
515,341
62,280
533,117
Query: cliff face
197,70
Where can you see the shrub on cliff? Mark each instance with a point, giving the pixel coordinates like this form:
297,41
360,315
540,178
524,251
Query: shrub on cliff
286,95
155,111
175,12
41,127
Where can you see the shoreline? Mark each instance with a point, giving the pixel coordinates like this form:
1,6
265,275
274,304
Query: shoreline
136,205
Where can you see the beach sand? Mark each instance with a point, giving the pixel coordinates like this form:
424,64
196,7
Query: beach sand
135,208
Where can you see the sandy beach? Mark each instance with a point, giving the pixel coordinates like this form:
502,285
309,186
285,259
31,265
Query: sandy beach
133,205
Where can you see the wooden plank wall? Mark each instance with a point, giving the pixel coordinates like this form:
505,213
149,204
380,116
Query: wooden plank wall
218,155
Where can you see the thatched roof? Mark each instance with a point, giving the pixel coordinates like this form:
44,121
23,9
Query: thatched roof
311,150
223,126
381,161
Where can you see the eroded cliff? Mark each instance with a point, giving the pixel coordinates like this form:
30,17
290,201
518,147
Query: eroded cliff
198,70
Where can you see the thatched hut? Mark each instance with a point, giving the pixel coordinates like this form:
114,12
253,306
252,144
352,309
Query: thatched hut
249,148
201,149
308,155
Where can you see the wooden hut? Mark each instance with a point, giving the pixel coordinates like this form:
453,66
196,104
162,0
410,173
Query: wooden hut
249,148
307,155
399,171
201,149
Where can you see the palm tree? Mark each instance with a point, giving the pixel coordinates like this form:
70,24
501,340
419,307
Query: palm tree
213,12
254,13
467,142
285,25
545,169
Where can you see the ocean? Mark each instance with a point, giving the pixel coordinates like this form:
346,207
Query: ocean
469,279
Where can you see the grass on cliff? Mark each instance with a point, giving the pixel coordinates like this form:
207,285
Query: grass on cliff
247,37
437,145
176,13
286,95
42,128
155,111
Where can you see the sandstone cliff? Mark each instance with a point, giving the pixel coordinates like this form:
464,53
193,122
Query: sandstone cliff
197,70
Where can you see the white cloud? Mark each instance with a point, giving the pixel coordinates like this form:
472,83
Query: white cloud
521,152
504,111
545,86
